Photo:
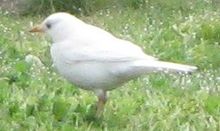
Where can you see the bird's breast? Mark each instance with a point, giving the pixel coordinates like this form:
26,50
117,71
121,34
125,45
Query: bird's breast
86,74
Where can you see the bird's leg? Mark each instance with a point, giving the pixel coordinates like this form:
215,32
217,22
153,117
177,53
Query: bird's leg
102,98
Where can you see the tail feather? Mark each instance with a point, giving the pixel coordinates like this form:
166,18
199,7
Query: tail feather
154,66
143,67
174,67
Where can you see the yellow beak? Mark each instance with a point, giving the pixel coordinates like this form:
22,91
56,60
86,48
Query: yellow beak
37,28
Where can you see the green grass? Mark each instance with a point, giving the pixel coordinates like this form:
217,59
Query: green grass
34,97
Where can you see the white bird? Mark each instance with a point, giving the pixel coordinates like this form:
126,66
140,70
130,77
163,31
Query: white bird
94,59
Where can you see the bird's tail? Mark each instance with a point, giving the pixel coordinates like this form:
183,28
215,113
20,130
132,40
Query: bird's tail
174,67
155,66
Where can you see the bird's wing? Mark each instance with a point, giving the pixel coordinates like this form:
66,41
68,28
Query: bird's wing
90,43
116,50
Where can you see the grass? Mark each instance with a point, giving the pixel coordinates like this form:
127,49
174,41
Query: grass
34,97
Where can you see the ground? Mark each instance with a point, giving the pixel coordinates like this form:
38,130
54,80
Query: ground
34,97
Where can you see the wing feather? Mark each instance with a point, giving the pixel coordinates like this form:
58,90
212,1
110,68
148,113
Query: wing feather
95,44
124,51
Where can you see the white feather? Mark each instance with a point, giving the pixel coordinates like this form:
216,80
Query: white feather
95,59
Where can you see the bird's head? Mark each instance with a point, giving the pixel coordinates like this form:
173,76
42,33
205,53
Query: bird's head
58,25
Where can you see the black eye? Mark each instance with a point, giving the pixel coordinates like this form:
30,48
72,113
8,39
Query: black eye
48,25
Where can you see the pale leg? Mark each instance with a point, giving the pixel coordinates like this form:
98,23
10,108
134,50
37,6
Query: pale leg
102,98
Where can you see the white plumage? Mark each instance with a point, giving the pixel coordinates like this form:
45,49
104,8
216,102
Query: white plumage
96,60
